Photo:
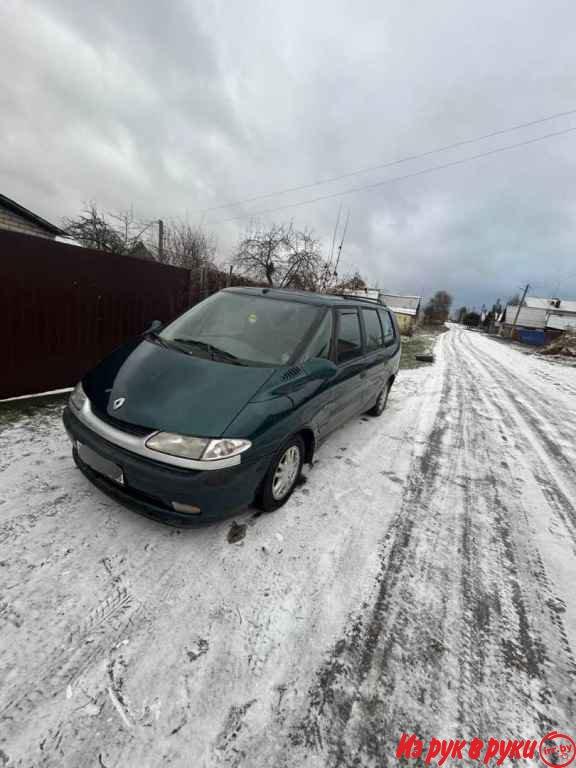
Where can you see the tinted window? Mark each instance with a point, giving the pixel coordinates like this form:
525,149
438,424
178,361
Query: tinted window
349,335
387,326
254,329
321,343
374,336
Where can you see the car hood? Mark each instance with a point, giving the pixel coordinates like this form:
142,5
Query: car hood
171,391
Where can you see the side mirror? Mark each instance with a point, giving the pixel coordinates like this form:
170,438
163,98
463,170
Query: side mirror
320,368
155,327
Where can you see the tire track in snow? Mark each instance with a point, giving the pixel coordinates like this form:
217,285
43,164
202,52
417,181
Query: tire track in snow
362,690
96,640
538,652
468,646
92,639
555,471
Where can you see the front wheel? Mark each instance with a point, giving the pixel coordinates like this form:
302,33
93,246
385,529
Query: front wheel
380,405
282,475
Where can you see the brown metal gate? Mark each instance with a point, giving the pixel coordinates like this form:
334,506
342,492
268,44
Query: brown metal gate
62,308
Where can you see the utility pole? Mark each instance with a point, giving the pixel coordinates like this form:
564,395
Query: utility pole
520,306
160,239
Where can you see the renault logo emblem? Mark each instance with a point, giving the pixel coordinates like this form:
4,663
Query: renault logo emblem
118,403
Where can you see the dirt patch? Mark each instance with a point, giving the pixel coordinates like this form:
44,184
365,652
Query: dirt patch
417,350
236,532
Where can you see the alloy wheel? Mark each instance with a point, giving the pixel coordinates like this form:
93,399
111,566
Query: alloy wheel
286,472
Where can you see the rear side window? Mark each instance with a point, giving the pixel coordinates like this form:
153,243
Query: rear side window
387,326
374,335
349,336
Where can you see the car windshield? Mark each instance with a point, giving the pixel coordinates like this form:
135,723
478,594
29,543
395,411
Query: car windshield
243,328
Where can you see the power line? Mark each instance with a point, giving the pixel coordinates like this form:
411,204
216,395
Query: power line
394,179
391,163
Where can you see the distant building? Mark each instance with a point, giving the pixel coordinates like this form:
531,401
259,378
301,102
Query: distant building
139,251
15,218
406,308
538,320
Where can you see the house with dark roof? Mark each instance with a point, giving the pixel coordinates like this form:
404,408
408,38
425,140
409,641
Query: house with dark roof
15,218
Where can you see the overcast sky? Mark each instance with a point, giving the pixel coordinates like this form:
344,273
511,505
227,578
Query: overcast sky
175,107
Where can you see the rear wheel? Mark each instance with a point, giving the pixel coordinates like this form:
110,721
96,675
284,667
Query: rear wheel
282,475
380,405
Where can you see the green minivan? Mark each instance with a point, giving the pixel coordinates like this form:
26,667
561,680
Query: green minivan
222,407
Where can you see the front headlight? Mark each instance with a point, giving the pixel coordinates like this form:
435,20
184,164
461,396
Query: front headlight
221,449
196,447
78,397
177,445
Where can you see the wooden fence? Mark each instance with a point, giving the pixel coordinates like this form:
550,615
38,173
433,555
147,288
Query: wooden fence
62,308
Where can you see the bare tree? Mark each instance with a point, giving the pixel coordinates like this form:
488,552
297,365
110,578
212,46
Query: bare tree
281,256
114,232
91,229
437,311
261,253
187,246
121,232
130,230
353,282
304,263
460,314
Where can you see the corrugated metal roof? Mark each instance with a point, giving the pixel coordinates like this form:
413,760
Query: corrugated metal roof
535,303
538,303
401,302
566,306
369,293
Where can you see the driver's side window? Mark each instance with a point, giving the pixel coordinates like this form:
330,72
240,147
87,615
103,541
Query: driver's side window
321,343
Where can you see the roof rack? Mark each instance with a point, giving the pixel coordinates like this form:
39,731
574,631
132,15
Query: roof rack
357,298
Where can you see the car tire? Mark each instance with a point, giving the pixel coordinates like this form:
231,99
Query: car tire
380,405
282,475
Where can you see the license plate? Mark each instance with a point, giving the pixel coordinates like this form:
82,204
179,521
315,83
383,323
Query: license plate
100,464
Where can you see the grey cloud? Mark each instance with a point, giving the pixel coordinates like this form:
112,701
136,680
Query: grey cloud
175,107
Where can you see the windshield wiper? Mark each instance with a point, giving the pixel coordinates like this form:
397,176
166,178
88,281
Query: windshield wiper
212,349
156,338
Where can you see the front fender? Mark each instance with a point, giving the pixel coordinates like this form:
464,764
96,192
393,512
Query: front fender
266,424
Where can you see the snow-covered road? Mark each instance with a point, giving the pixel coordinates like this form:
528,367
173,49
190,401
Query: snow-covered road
423,579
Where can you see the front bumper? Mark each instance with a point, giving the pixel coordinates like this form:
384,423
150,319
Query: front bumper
150,487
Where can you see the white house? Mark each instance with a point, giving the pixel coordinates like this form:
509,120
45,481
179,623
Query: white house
406,308
542,314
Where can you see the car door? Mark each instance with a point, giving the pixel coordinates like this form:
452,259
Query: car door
376,357
348,384
391,341
316,408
